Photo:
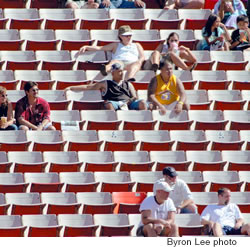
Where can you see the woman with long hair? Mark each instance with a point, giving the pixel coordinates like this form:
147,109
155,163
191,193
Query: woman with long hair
174,53
6,112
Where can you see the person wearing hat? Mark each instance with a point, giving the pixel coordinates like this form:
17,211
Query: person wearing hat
180,194
158,214
117,93
166,91
122,4
130,55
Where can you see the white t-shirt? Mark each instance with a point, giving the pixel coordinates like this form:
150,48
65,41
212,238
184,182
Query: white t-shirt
179,193
158,211
226,215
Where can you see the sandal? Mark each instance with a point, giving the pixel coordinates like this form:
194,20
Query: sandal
103,70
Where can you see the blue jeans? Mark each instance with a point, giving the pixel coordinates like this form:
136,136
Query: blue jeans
133,106
10,127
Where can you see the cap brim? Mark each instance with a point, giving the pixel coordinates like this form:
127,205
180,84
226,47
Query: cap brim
127,33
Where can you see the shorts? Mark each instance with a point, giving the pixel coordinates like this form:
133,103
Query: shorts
44,128
118,105
139,231
228,230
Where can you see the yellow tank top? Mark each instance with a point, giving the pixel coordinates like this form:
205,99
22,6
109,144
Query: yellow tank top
166,93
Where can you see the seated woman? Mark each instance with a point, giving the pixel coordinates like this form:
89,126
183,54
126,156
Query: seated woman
6,112
215,35
184,4
130,55
174,53
228,11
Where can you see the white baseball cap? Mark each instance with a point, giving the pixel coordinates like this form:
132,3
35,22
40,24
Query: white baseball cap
160,185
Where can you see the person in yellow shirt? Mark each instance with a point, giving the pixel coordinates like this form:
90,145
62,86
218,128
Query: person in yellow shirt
166,91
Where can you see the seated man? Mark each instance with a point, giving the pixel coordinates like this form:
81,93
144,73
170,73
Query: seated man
180,194
117,93
158,214
224,218
122,4
33,112
166,91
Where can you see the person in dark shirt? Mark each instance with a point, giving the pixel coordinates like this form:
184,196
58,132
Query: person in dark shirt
33,112
117,93
241,36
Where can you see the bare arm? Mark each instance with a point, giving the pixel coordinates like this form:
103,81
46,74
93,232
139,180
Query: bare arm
181,90
222,9
92,86
171,217
22,121
141,53
146,218
108,47
239,223
10,118
132,90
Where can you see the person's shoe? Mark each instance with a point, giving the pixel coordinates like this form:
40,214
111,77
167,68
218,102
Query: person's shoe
103,70
155,67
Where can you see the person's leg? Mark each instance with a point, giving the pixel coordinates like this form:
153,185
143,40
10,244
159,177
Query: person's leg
114,4
132,69
128,5
194,4
71,5
51,127
179,62
138,105
248,11
189,209
23,127
171,231
149,230
245,229
155,60
111,105
12,127
217,230
188,55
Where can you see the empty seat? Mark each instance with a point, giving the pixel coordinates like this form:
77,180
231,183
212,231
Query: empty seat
3,205
132,17
224,139
76,225
206,160
60,203
113,224
12,183
154,140
62,161
12,4
85,100
42,78
189,224
237,160
142,79
145,180
23,18
114,181
43,182
93,19
8,80
14,140
96,202
208,120
239,120
176,159
245,176
240,79
41,225
78,181
134,219
4,163
198,99
58,18
189,139
118,140
11,226
46,140
136,120
242,199
133,161
202,199
14,96
44,4
219,179
27,161
128,202
10,40
104,37
2,20
55,60
226,99
82,140
24,203
73,39
245,136
19,60
172,121
100,120
163,19
229,60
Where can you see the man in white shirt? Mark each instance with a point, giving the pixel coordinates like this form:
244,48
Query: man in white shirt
224,218
180,194
158,214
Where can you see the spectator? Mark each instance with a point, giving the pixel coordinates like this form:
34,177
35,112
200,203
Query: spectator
130,55
184,4
6,113
117,93
215,35
174,53
180,194
33,112
167,92
122,4
157,214
248,10
241,36
224,218
82,4
228,10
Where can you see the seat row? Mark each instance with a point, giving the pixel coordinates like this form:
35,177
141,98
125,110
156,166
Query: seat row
118,181
115,140
92,161
103,19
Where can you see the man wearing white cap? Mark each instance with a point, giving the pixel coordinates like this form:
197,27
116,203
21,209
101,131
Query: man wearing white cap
158,214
